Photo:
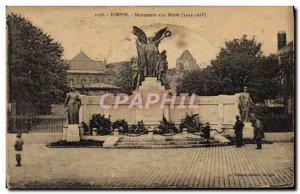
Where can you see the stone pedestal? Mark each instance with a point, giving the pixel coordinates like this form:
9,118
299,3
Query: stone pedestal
185,132
153,114
64,137
150,132
94,132
73,133
151,84
248,131
116,132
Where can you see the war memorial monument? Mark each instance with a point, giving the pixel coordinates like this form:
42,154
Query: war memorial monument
151,102
150,97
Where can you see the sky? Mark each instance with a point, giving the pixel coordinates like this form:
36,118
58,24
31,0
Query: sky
109,37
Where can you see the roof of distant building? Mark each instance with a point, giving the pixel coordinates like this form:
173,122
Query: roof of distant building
286,49
81,57
116,66
101,86
84,71
84,63
186,55
119,63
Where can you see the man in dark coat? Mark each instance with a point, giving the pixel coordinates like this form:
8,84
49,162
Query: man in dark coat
238,129
18,149
258,131
206,133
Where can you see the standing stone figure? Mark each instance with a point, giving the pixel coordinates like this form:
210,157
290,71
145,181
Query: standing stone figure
73,102
147,49
151,50
162,67
245,105
136,74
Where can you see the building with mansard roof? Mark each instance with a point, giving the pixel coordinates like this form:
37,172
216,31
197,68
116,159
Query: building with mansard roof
81,62
84,72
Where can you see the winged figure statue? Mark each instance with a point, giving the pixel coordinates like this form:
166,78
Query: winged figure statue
147,49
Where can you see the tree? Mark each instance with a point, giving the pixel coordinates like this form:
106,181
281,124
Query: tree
265,82
236,62
124,78
240,63
202,82
37,73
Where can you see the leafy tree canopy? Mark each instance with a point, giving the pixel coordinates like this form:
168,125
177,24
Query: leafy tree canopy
37,73
124,79
239,63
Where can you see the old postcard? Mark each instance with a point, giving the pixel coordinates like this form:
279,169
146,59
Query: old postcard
150,97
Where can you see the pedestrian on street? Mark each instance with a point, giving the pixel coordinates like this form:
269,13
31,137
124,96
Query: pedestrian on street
238,129
18,149
258,131
206,133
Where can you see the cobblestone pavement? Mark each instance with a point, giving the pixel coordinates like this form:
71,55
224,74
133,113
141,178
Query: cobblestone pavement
217,167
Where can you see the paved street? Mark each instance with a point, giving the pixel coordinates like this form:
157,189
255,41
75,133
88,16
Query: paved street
217,167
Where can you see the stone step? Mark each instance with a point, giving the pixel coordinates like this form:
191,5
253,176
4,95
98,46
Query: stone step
221,138
124,139
162,143
165,146
111,141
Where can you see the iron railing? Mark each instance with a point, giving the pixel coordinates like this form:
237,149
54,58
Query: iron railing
36,124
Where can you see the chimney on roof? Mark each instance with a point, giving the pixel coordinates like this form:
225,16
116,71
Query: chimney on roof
281,39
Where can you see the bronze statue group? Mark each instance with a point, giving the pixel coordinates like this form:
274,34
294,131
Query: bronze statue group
150,62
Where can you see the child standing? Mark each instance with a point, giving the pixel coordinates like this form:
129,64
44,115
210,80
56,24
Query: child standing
18,148
206,133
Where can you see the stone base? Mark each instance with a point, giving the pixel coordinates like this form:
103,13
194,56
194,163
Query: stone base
64,137
221,139
73,133
248,131
111,141
151,84
153,114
